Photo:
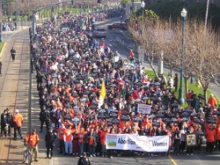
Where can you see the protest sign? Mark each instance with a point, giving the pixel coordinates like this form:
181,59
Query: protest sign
144,109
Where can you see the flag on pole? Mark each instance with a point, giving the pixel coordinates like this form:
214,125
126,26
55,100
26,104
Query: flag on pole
102,94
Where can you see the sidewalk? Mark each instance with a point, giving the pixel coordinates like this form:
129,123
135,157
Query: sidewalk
14,95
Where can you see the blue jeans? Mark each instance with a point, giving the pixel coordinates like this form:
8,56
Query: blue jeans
104,151
91,150
68,147
81,148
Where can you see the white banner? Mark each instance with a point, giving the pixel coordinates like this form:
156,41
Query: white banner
137,143
144,109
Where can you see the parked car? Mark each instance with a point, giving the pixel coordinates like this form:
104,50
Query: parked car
99,33
121,26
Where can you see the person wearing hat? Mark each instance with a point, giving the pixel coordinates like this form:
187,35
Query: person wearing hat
18,120
50,142
212,101
32,139
84,160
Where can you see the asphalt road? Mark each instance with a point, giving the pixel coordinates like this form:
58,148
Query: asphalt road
196,159
14,149
111,41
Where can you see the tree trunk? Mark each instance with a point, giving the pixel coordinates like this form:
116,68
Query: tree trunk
152,67
205,95
186,85
171,71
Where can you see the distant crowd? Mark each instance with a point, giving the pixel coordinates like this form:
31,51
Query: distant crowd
70,71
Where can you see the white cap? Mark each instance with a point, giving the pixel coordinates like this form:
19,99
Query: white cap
16,111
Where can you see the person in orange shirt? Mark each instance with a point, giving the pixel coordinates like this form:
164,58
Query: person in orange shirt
60,133
18,120
91,140
81,136
68,138
212,101
32,139
218,137
131,55
210,137
102,136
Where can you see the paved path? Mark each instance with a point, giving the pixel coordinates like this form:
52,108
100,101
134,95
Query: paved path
14,94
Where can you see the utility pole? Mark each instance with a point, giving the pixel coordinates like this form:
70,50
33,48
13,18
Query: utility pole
207,14
1,39
16,16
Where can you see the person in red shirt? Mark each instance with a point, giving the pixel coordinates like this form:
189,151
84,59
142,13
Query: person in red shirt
210,137
68,138
103,133
81,135
60,133
131,55
218,137
18,120
32,139
91,140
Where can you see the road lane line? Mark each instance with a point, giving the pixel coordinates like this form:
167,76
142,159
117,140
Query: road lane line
172,160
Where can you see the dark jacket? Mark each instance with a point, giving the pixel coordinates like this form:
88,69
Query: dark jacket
50,139
84,161
3,119
13,51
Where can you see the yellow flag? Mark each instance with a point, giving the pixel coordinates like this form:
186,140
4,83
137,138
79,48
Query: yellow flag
102,94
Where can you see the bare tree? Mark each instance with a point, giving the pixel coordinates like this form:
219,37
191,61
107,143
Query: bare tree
205,56
144,32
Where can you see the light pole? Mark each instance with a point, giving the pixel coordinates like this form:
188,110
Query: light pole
1,39
181,98
207,13
16,16
132,5
142,9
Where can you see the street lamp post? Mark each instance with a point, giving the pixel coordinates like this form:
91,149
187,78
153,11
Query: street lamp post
181,98
132,5
142,9
16,15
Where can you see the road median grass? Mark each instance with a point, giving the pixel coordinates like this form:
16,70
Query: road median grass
1,46
191,86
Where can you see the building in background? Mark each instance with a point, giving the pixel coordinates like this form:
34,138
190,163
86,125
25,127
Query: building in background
128,8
